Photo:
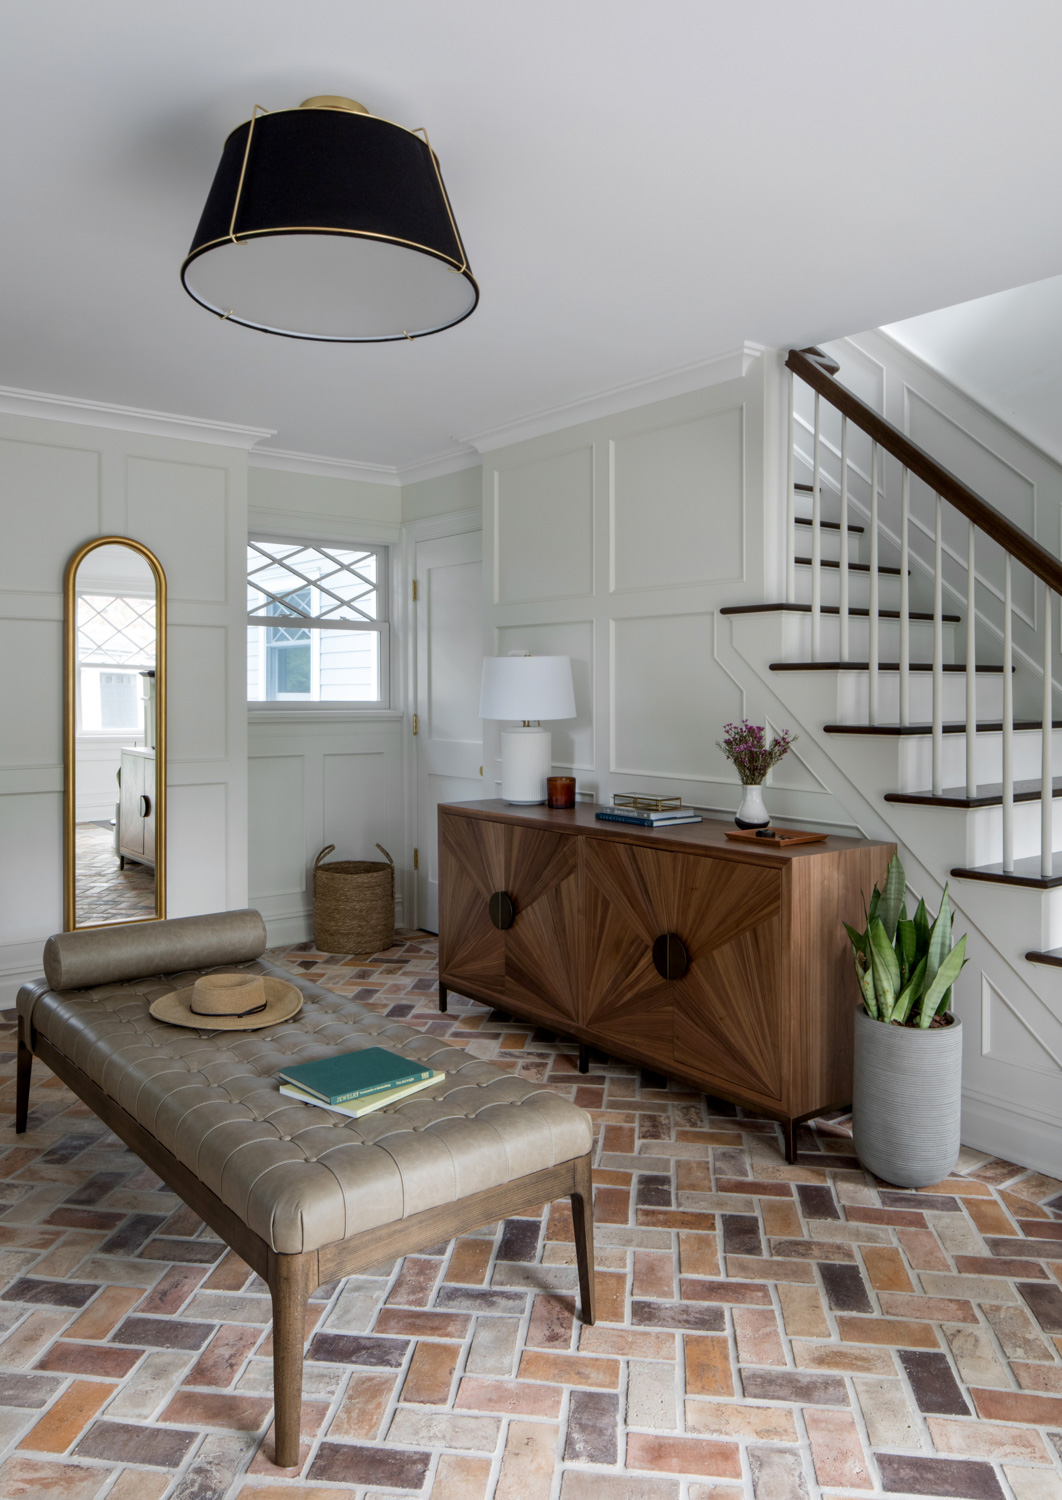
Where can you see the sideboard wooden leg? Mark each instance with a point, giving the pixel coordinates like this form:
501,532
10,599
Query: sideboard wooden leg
22,1082
443,992
292,1279
789,1128
584,1057
583,1222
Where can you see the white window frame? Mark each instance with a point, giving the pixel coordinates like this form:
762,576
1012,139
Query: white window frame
381,627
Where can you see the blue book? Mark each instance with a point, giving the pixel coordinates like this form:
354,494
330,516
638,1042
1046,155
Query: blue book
350,1075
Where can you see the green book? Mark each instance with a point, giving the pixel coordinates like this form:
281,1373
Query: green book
367,1103
349,1075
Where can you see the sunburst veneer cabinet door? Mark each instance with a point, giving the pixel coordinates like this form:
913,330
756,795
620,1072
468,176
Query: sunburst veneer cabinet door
542,946
472,866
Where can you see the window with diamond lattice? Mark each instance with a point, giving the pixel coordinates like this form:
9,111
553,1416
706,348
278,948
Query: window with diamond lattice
317,628
115,646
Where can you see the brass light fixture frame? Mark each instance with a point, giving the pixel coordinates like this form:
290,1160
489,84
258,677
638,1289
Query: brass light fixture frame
70,663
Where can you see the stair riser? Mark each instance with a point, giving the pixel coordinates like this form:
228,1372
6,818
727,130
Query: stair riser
858,589
914,770
831,544
796,633
853,697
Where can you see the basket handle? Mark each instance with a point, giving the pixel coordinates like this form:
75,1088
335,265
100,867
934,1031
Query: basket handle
326,850
385,854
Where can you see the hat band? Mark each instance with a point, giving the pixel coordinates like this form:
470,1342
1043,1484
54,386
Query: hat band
235,1015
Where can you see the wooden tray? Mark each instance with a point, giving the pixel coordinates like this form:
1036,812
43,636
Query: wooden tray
784,838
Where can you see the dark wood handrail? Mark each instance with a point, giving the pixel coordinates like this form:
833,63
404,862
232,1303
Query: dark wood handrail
817,370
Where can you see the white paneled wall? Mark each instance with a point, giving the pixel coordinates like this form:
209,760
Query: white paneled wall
62,483
617,542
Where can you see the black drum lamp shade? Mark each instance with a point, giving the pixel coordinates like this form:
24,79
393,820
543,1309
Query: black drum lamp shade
325,222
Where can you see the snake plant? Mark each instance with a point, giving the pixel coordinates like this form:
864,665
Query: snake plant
906,966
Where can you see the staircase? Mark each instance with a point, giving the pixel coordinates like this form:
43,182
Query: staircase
894,654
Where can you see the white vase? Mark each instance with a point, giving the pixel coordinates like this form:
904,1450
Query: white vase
752,813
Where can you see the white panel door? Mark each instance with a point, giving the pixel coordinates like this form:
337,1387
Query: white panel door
449,742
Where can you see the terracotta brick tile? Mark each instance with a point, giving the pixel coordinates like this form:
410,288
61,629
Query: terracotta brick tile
856,1359
886,1269
552,1320
470,1258
777,1472
172,1290
802,1311
560,1222
679,1455
1033,1484
698,1254
252,1490
985,1440
708,1370
1019,1336
70,1252
992,1265
101,1317
528,1462
22,1478
224,1357
836,1450
458,1476
1045,1304
890,1420
626,1343
1041,1228
692,1176
618,1139
927,1309
845,1289
612,1177
752,1293
512,1397
938,1476
1038,1377
612,1205
89,1359
356,1464
896,1218
674,1218
611,1297
1021,1207
568,1369
364,1406
231,1275
242,1413
887,1331
754,1188
811,1250
923,1250
1017,1406
140,1484
780,1219
60,1426
23,1347
654,1274
701,1317
1035,1187
415,1282
934,1386
592,1423
774,1424
766,1268
418,1323
758,1343
989,1216
431,1373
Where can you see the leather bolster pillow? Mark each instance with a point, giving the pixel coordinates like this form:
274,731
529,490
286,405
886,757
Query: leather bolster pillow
108,955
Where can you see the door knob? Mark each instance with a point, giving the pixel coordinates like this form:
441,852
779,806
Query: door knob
670,956
502,911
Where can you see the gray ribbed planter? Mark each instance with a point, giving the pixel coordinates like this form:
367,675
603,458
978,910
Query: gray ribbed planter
906,1100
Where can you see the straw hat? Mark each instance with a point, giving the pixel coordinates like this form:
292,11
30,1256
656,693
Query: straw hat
230,1002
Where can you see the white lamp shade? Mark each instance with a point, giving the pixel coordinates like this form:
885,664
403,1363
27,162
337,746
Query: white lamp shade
527,687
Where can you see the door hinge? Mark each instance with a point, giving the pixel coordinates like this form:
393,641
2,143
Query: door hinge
416,724
414,591
416,859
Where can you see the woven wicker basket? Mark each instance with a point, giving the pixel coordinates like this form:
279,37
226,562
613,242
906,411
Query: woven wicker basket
353,904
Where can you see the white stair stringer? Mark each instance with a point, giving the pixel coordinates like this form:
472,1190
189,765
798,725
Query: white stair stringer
1011,1010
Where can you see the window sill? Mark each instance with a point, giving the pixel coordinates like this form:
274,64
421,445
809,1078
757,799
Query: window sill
272,713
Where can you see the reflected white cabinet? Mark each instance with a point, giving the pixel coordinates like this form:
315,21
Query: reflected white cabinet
136,821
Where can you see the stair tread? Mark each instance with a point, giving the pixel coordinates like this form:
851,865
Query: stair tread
826,525
1025,872
989,794
883,666
1045,956
853,567
986,726
857,611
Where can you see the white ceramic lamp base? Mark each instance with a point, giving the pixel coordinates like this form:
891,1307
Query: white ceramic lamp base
526,761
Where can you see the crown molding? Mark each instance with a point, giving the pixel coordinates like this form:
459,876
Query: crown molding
20,403
729,366
349,468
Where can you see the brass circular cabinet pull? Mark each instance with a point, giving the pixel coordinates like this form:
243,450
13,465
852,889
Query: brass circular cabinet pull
502,911
670,956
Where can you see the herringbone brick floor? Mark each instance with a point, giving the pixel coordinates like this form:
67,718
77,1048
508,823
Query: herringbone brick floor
764,1331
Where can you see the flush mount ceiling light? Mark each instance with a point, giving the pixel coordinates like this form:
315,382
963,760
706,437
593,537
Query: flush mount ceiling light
325,222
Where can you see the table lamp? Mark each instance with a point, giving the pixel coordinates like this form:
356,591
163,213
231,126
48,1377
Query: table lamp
520,686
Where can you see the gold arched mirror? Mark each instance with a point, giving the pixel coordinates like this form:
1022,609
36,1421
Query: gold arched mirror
114,729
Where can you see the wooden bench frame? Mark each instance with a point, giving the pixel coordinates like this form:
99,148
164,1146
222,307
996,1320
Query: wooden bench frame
291,1278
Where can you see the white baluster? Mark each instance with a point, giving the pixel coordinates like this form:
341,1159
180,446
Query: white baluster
1047,805
1008,723
790,505
938,655
844,542
873,662
971,667
816,542
905,603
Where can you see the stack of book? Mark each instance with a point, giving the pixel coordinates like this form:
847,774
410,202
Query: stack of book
648,818
355,1083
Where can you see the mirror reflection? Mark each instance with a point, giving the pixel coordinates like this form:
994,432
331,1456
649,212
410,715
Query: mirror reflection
115,737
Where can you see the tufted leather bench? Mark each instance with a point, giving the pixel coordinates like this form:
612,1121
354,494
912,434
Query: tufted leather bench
302,1194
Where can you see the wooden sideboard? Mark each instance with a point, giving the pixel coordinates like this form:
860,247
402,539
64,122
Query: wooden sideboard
711,961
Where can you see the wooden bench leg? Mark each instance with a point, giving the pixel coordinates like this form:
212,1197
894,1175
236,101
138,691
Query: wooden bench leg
583,1221
292,1279
22,1083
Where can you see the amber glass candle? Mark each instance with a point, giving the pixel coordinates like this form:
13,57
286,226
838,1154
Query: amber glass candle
560,791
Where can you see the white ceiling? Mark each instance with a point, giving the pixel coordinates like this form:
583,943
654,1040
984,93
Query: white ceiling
640,188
